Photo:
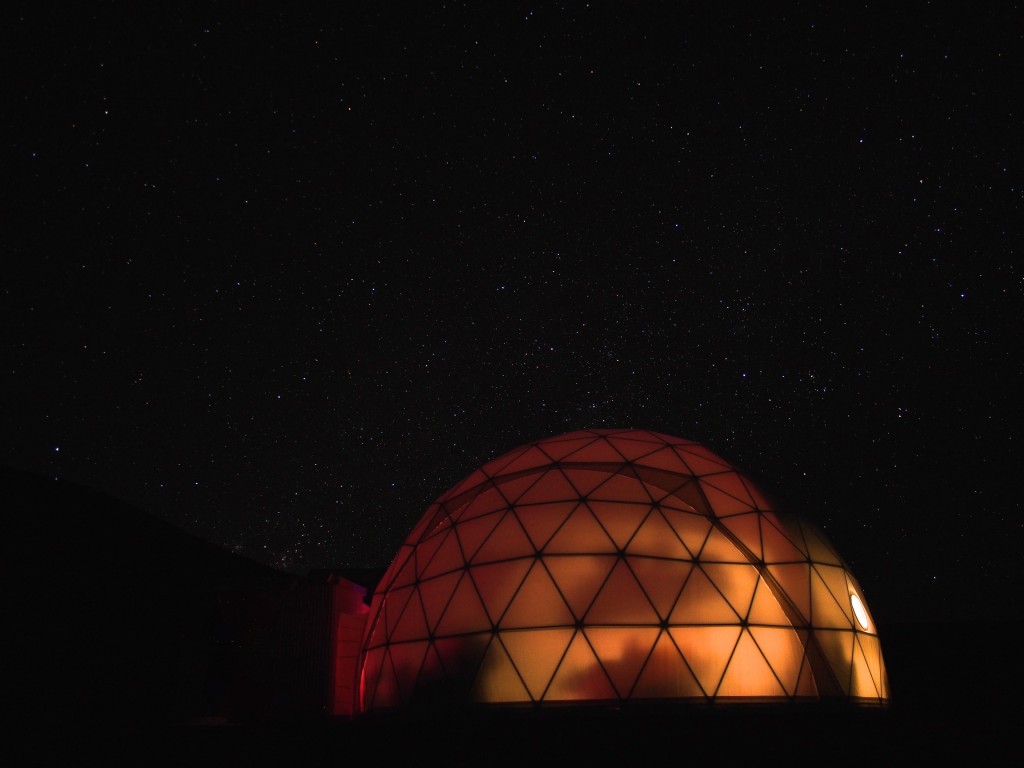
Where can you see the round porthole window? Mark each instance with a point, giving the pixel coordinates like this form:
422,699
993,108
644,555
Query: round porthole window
859,611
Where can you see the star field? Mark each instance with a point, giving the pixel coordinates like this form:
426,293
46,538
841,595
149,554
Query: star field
282,278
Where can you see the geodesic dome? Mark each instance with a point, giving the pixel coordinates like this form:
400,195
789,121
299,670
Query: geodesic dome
615,566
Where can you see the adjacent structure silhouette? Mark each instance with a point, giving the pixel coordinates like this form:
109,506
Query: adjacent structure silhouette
610,567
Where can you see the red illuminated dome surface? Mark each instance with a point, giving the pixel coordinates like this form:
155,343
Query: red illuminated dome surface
612,566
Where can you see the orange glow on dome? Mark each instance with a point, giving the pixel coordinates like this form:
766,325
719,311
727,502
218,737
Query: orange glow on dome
609,566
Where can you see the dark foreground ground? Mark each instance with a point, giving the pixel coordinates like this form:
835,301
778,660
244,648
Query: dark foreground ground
941,734
956,692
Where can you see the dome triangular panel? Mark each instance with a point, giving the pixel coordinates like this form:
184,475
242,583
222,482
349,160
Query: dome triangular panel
657,539
580,533
620,520
536,654
499,680
541,521
666,675
707,651
580,676
662,580
538,603
623,652
464,612
507,540
748,673
621,600
497,583
579,577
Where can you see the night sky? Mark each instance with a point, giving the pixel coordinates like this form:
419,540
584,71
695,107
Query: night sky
281,278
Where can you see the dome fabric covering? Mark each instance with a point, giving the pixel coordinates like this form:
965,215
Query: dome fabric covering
611,566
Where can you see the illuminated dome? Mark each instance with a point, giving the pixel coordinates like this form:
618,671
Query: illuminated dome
611,566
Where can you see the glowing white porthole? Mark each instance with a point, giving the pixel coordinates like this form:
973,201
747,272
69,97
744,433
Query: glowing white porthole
859,611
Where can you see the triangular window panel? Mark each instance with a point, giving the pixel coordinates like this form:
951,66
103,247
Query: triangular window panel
413,625
692,529
387,693
736,582
553,486
806,686
497,583
490,500
580,533
512,487
820,550
438,525
579,677
730,484
666,459
394,605
408,660
825,611
473,533
784,652
873,654
537,604
619,519
633,450
835,579
621,601
559,449
421,556
464,510
529,459
623,653
657,539
624,487
536,654
666,675
766,608
702,603
747,529
778,548
719,549
447,558
864,683
584,480
662,580
540,521
723,503
660,485
579,577
498,680
748,673
699,461
461,655
686,497
707,650
508,540
795,581
436,594
598,451
432,670
464,613
838,648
